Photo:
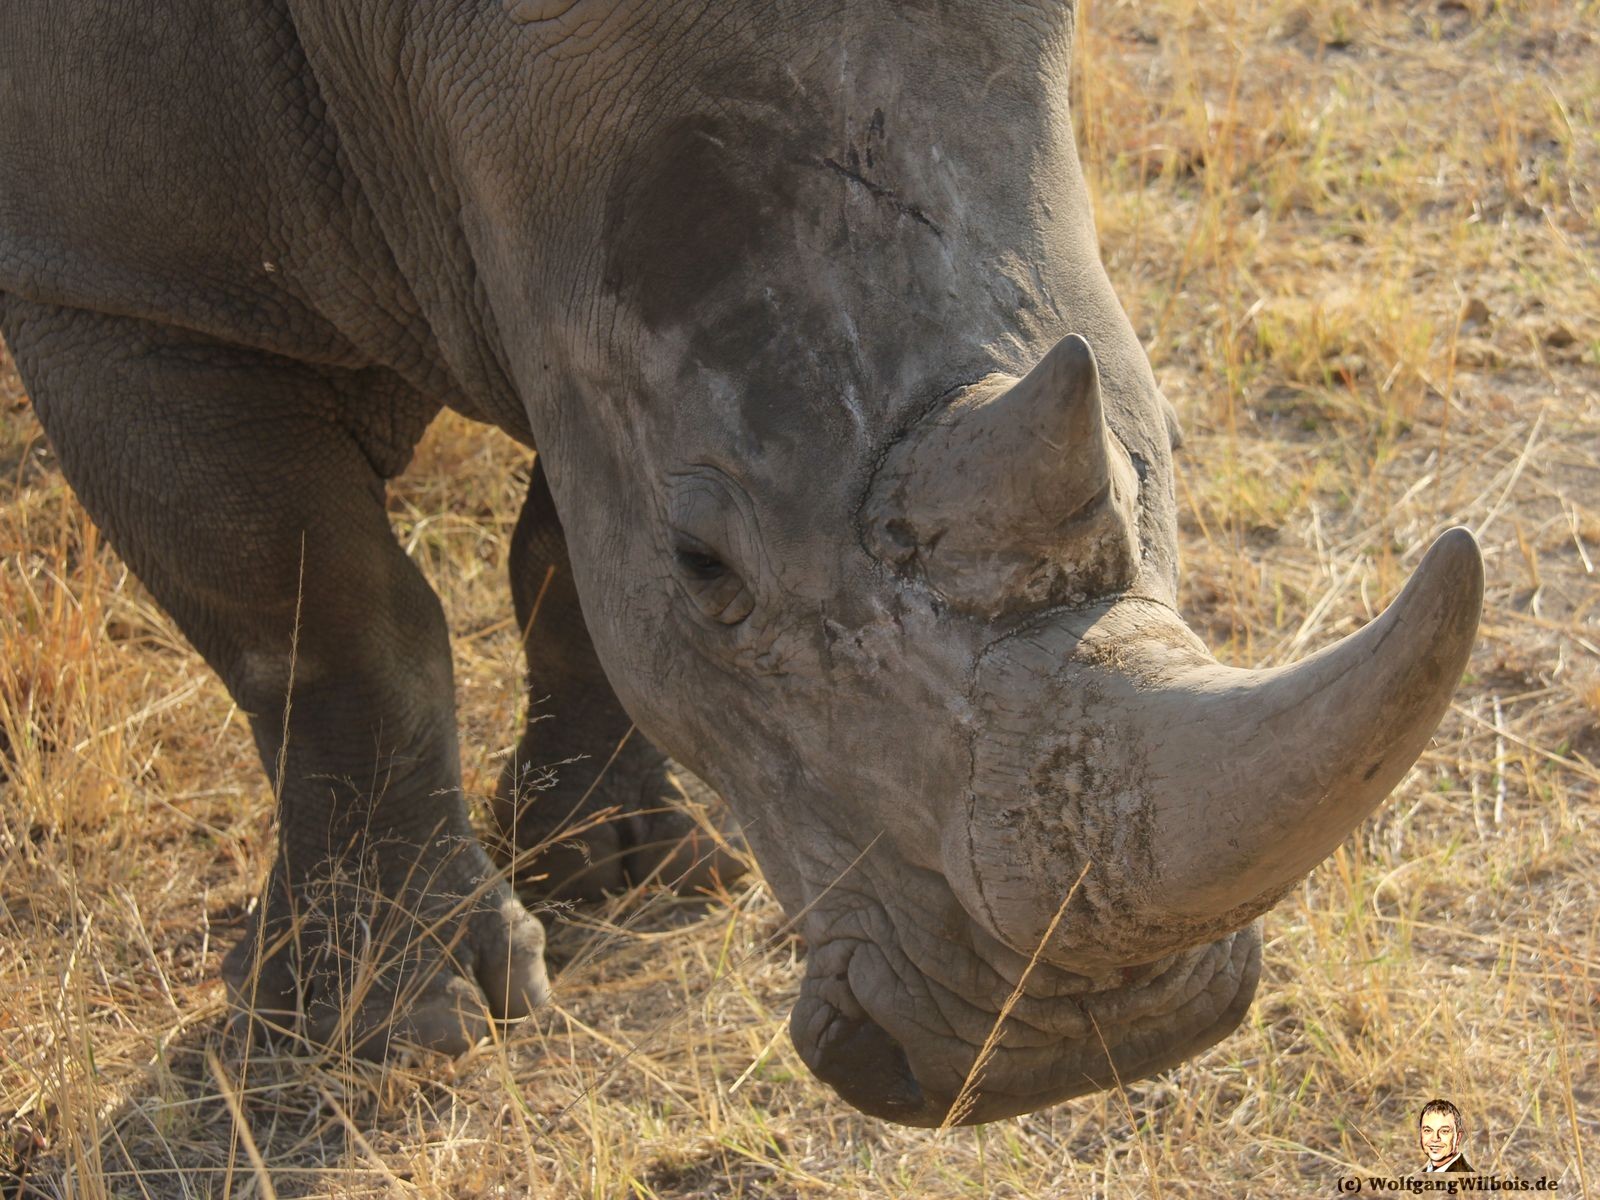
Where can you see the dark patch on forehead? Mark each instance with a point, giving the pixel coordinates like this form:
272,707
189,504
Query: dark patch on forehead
698,207
791,363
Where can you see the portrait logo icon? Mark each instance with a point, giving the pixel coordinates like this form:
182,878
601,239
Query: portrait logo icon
1440,1136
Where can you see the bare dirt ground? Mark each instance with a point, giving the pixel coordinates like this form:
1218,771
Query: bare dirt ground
1360,242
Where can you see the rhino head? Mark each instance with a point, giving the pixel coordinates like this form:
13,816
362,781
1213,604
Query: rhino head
868,490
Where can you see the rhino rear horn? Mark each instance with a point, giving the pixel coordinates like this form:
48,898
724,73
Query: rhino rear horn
1015,495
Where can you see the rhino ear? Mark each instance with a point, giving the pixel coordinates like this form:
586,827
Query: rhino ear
1174,426
528,12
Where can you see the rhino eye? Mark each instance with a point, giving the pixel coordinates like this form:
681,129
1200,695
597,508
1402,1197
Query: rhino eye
712,544
715,588
700,564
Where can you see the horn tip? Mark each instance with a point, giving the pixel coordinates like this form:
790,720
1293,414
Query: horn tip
1077,345
1073,356
1066,384
1458,542
1454,566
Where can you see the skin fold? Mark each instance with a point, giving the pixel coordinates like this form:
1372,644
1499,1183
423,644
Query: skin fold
854,500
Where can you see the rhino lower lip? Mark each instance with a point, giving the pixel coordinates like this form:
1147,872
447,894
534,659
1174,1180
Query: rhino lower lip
867,1068
845,1047
871,1072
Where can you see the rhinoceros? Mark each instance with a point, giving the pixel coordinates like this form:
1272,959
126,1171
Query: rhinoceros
854,494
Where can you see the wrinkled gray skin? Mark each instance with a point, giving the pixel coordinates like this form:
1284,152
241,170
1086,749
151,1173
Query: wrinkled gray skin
759,281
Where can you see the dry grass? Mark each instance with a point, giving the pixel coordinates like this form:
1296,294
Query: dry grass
1360,241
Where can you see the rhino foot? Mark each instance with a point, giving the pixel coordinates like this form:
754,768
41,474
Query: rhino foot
642,819
352,961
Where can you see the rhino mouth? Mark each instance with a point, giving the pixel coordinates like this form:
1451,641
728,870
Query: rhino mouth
909,1042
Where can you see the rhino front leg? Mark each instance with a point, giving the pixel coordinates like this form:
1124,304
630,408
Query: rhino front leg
247,492
588,804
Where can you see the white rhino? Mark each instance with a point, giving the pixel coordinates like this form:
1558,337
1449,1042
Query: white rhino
854,493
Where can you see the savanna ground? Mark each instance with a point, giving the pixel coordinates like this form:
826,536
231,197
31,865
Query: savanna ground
1360,243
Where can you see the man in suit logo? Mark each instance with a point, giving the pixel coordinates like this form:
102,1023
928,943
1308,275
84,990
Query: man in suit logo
1440,1132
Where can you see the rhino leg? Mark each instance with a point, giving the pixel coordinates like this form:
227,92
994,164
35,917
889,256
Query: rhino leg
247,492
588,804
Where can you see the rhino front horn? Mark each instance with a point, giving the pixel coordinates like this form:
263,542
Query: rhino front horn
1014,495
1197,794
